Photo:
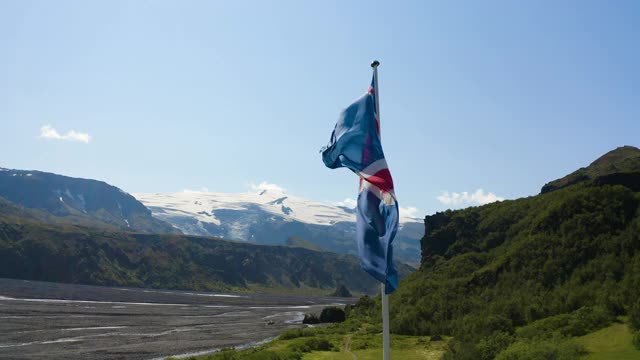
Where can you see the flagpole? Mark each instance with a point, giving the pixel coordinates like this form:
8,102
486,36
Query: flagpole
386,338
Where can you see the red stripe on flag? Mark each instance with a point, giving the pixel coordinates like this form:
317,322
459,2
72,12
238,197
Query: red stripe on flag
382,179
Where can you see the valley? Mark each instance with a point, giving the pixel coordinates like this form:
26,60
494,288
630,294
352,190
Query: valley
41,320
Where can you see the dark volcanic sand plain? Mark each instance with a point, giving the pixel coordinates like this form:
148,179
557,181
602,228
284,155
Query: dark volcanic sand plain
40,320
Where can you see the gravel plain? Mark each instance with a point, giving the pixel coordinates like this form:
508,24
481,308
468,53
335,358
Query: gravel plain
40,320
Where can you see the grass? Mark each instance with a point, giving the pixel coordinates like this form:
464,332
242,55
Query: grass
369,347
364,345
613,342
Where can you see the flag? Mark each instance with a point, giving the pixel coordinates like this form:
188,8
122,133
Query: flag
355,144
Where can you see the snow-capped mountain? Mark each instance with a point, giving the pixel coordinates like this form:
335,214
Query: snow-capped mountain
272,217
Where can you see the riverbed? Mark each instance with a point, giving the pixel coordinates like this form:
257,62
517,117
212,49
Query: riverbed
40,320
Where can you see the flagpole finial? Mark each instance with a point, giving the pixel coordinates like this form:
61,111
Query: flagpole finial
375,63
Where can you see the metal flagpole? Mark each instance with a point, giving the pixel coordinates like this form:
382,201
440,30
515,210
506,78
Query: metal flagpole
386,338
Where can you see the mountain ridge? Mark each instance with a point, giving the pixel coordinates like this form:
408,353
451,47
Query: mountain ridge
619,166
61,198
273,217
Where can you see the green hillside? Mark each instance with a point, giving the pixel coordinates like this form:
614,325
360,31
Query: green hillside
34,250
296,241
620,166
559,265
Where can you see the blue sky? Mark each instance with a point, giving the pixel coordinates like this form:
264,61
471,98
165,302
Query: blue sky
501,96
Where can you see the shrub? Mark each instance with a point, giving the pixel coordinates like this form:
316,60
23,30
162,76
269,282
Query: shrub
492,345
311,344
636,340
365,307
296,333
476,326
371,329
332,314
543,349
310,319
268,355
578,323
586,320
461,350
362,344
634,315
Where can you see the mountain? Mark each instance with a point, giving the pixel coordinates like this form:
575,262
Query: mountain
56,198
34,250
528,274
620,166
273,217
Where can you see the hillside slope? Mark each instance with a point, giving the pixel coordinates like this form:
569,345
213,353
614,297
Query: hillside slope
57,198
617,167
489,270
67,253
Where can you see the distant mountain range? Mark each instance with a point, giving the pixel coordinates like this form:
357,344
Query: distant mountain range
58,228
62,199
263,217
273,217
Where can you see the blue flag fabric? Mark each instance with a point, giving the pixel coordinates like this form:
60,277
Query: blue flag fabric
355,144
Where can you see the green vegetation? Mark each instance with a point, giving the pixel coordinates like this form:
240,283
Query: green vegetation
558,349
296,241
332,314
33,250
403,347
577,323
359,335
508,278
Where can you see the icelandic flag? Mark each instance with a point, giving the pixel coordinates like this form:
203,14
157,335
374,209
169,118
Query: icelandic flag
355,144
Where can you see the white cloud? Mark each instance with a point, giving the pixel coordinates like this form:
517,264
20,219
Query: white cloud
49,132
349,203
479,197
266,186
409,212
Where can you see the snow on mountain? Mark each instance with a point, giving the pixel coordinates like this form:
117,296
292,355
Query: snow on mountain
203,205
270,216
